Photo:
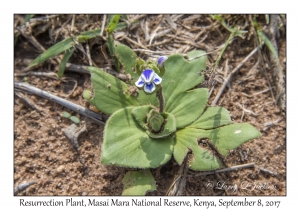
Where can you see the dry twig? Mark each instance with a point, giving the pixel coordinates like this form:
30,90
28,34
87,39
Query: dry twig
267,171
248,165
28,101
246,110
77,108
22,187
103,25
269,124
27,33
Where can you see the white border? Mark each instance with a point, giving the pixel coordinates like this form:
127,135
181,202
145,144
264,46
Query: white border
153,7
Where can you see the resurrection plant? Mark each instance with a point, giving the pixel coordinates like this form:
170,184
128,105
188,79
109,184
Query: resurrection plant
158,112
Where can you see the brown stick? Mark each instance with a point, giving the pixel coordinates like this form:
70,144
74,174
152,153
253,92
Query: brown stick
68,104
249,165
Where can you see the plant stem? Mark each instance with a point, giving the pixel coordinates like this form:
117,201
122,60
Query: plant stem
160,97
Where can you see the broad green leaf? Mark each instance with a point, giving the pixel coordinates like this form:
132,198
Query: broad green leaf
127,58
74,119
212,117
110,93
231,136
203,159
140,115
138,182
147,99
168,129
181,75
53,51
187,106
224,139
113,23
66,114
64,61
126,144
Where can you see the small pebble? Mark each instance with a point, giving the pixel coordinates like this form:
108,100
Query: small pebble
278,149
60,169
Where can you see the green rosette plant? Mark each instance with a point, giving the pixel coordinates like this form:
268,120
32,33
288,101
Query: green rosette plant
160,111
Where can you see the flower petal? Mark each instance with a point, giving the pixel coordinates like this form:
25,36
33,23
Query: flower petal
149,87
161,60
156,79
147,75
140,82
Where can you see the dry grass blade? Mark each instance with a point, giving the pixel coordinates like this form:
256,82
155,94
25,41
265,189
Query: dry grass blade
37,74
103,25
137,17
27,33
171,22
271,123
134,42
145,28
179,183
246,110
260,92
89,54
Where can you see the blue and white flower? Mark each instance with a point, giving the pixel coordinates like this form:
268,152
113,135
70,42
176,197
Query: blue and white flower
148,79
161,60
